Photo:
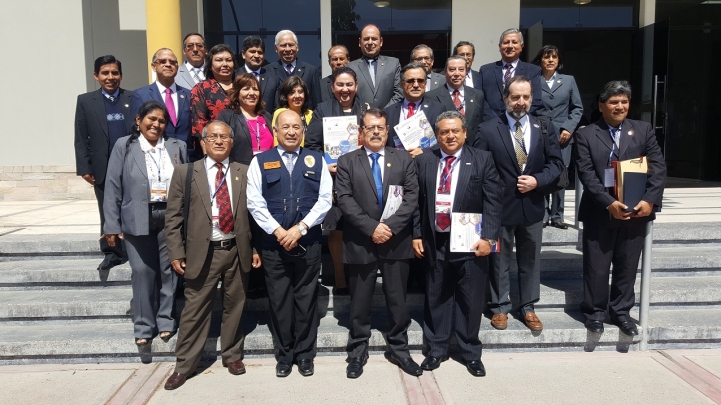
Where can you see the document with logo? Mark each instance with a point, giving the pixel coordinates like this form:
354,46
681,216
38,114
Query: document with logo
466,231
416,132
340,136
394,199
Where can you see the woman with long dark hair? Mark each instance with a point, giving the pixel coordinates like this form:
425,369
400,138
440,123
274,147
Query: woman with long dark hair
209,97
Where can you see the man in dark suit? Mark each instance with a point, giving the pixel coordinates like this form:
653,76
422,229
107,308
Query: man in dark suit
423,54
378,76
413,82
468,52
217,247
454,95
101,118
494,75
371,242
527,164
253,53
466,182
175,98
286,46
191,72
337,57
614,232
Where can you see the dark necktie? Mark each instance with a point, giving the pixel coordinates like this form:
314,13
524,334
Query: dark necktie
222,200
457,102
288,69
411,110
443,220
507,75
372,67
615,134
376,169
111,98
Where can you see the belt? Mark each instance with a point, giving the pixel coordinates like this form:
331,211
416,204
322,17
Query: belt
222,244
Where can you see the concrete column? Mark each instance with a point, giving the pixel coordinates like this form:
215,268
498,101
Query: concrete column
647,13
163,28
326,38
481,22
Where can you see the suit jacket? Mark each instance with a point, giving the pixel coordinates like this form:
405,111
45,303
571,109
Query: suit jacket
242,145
521,208
591,151
478,190
477,83
269,86
127,189
429,106
475,107
151,93
184,78
387,90
310,75
199,222
437,80
491,76
326,88
358,200
91,132
562,104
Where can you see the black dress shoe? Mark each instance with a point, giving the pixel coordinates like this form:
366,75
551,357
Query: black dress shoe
545,224
559,225
305,367
355,367
109,262
594,326
627,327
406,364
283,369
476,368
432,363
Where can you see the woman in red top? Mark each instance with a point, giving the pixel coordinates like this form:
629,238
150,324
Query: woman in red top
209,97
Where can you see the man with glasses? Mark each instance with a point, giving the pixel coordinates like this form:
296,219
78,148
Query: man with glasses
289,193
423,54
366,180
208,251
468,52
192,71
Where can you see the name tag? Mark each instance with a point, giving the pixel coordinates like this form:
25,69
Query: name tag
443,204
214,213
608,179
158,191
271,165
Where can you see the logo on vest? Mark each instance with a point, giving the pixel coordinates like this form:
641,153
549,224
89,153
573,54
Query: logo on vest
309,161
271,165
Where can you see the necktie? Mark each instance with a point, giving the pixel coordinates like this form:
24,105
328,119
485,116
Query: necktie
289,164
111,98
376,169
520,146
443,220
196,74
457,102
257,75
222,200
615,133
411,110
288,69
372,69
507,75
170,106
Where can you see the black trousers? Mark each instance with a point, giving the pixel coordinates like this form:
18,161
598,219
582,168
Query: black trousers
292,284
362,283
107,250
602,247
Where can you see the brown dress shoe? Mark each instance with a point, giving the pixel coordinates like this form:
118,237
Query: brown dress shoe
175,380
499,321
533,322
235,367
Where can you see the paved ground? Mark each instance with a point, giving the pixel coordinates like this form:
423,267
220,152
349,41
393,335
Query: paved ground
665,377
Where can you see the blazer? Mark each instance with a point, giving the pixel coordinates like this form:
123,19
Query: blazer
477,83
195,249
491,76
242,144
495,137
478,190
437,80
309,73
127,189
387,90
151,93
91,132
475,107
591,151
184,78
326,88
358,201
562,104
269,86
431,108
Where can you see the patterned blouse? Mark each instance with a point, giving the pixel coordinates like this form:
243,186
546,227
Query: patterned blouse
207,100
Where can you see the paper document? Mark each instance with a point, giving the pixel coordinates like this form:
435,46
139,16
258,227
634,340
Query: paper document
466,231
393,201
416,132
340,136
638,165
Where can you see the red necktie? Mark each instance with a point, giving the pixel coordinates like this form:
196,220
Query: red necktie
457,102
222,199
411,110
443,220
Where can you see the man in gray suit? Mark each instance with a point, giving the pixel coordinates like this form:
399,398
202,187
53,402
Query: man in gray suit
191,72
379,77
423,54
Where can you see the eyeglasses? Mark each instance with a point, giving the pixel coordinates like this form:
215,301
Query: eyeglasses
369,129
191,46
422,58
419,81
164,61
214,137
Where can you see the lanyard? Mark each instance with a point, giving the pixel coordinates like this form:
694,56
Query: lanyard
257,131
160,156
213,194
615,139
453,166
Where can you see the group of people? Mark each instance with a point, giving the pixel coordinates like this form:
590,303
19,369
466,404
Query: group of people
223,178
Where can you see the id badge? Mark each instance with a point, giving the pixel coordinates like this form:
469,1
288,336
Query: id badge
215,218
158,191
609,178
443,204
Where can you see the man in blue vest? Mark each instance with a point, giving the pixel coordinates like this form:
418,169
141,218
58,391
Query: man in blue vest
289,193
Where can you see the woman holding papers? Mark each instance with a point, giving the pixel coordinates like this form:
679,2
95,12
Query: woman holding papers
344,85
293,95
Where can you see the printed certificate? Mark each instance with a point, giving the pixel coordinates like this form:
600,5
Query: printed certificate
466,231
416,132
340,136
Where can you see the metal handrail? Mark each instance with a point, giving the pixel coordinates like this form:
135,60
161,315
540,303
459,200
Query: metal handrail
645,286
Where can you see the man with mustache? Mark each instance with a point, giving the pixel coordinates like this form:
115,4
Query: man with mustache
192,71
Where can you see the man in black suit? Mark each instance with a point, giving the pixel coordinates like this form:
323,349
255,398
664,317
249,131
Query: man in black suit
413,82
527,164
456,96
612,231
468,52
371,242
286,46
423,54
466,182
101,118
253,53
338,56
494,75
378,75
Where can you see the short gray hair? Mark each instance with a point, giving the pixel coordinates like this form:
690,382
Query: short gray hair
615,88
510,31
225,124
449,115
421,46
515,79
285,32
155,55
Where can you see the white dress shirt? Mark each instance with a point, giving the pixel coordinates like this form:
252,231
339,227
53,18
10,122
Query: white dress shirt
454,180
211,170
550,81
191,69
173,94
256,73
469,79
525,127
416,108
259,208
157,161
461,94
381,159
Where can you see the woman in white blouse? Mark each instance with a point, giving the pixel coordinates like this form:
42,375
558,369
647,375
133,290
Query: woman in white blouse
136,185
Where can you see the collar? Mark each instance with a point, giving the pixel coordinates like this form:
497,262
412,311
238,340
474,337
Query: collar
161,88
457,154
367,59
117,92
249,70
512,121
190,67
294,63
145,146
514,64
210,162
451,90
552,77
281,150
417,104
381,152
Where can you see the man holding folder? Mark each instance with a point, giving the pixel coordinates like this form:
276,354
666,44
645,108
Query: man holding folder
613,232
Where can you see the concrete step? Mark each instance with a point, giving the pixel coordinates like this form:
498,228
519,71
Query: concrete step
57,273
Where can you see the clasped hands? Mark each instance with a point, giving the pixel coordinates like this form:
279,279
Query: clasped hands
381,234
287,238
618,210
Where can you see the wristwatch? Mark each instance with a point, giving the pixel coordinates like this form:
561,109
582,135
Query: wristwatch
303,230
491,241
